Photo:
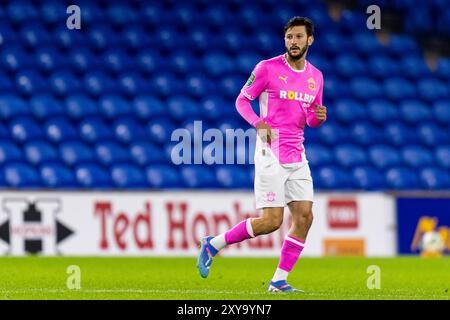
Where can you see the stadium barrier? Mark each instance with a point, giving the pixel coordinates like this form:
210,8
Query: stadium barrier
171,223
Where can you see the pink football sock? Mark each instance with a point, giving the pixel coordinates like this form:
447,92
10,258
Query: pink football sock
292,247
240,232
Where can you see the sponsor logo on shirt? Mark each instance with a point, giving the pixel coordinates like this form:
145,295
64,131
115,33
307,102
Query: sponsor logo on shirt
250,79
295,95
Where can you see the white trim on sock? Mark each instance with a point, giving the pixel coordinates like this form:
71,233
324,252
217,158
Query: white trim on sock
294,241
279,275
248,225
219,242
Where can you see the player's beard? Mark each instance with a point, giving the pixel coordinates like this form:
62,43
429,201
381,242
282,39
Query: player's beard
300,55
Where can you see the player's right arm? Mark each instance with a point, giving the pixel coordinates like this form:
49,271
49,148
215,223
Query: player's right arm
255,84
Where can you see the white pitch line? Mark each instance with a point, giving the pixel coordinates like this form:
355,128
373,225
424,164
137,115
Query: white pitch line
143,291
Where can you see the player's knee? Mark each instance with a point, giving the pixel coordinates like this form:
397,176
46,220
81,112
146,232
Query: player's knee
273,223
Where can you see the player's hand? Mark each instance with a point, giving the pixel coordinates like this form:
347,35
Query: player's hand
321,113
265,132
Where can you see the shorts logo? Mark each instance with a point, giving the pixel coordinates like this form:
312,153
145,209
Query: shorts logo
311,84
270,196
250,80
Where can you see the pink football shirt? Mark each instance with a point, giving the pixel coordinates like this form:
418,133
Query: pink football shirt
288,99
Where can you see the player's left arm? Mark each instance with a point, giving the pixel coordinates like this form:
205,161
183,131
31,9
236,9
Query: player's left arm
317,113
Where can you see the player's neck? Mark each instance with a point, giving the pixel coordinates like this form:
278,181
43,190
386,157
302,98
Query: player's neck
296,64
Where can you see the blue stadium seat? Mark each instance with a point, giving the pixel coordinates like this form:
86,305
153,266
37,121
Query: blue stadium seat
318,155
442,69
59,129
349,65
160,130
400,43
246,61
198,85
432,135
217,64
349,155
92,13
81,60
48,59
331,177
365,134
131,84
117,60
101,36
30,82
34,34
128,130
57,176
110,153
144,153
147,107
68,39
400,178
128,176
397,134
9,152
382,111
97,83
414,67
335,87
4,133
114,106
21,11
93,176
186,15
331,133
6,85
184,64
442,156
19,175
196,176
25,129
52,12
382,66
233,41
135,38
366,43
441,111
434,178
215,108
64,83
432,89
233,177
45,106
164,85
94,130
367,178
414,111
332,43
74,153
13,58
80,106
348,111
148,61
398,89
384,156
163,176
120,14
230,86
7,34
182,108
365,88
416,156
229,123
12,106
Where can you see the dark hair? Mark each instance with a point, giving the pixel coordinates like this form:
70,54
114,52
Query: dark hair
300,21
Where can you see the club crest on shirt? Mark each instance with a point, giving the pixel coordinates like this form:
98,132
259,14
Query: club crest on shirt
311,84
250,80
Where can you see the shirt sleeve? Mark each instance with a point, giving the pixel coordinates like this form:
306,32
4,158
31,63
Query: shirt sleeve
245,109
311,119
257,82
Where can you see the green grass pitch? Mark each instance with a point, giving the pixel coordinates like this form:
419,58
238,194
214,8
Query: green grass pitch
230,278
